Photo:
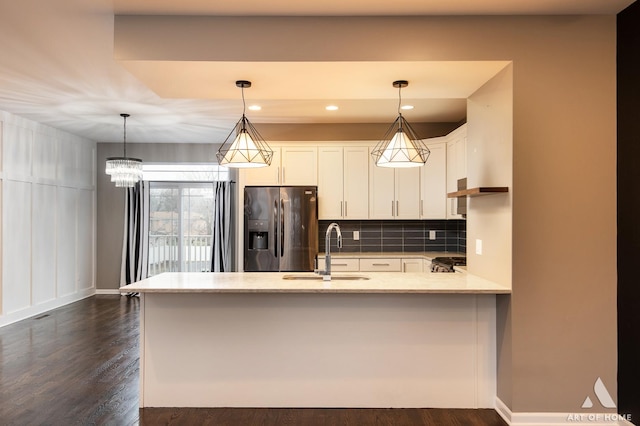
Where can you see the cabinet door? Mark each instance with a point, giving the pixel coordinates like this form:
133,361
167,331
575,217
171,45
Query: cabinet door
382,204
299,166
412,265
380,265
330,183
456,158
433,184
264,175
339,264
407,193
356,182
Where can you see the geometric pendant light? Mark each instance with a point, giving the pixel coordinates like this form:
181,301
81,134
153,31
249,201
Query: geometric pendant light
124,171
248,149
400,146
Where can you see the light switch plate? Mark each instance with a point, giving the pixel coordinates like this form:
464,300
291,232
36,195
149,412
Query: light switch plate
432,235
356,235
478,246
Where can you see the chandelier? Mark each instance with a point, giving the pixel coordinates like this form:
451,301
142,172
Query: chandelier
124,171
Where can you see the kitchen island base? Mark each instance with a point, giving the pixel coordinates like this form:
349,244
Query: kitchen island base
317,350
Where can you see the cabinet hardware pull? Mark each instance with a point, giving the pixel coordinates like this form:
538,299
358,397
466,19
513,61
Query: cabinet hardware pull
397,208
338,264
421,207
341,211
380,264
345,209
392,213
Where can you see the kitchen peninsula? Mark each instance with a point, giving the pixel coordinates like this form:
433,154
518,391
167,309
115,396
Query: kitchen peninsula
266,340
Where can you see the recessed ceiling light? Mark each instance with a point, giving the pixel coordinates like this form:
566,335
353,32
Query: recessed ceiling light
406,107
255,107
331,108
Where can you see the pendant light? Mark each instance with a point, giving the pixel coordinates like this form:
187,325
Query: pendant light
124,171
248,148
400,146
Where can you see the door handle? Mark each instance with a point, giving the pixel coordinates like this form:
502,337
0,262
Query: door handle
341,210
282,226
392,214
421,207
345,209
397,208
275,228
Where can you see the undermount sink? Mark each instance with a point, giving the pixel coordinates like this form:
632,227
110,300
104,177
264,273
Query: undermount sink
320,277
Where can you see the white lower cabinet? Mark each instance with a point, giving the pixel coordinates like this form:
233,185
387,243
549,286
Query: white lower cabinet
340,264
426,265
376,264
380,265
412,265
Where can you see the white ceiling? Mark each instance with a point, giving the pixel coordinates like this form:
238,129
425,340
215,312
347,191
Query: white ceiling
57,68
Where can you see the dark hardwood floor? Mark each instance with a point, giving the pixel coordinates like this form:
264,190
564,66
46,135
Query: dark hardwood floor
78,365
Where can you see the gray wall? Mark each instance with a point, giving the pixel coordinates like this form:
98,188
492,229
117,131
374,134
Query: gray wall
562,312
110,200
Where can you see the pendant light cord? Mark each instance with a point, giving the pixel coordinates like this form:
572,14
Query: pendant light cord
244,106
125,135
399,99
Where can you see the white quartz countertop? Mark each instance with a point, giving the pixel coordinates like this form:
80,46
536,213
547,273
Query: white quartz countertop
274,282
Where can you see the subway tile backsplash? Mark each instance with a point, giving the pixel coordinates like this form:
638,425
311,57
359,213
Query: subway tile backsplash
397,236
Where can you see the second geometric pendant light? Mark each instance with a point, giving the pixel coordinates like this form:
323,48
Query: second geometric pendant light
400,145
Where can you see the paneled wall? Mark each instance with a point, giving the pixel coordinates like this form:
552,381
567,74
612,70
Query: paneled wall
47,182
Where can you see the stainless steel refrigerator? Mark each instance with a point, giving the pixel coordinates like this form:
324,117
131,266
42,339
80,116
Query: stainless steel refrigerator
280,228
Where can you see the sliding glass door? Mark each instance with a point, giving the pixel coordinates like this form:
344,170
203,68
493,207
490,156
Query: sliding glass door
180,228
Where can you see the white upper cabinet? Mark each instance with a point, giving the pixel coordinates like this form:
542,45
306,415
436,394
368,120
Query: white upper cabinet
299,165
394,193
356,182
330,183
433,182
343,186
265,175
456,166
289,166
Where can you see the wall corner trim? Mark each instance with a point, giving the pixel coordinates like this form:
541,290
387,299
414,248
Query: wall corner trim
551,419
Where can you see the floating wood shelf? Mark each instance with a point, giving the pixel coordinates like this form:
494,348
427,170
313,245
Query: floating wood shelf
482,190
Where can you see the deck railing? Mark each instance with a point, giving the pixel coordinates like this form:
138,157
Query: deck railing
166,254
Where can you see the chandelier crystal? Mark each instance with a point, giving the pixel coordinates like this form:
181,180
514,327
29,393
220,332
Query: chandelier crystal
125,171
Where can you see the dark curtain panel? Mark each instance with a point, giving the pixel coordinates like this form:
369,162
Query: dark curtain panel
135,244
221,248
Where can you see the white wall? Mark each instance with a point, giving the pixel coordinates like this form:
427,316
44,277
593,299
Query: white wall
47,183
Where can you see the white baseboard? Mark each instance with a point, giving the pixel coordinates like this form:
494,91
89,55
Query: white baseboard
554,419
107,291
35,310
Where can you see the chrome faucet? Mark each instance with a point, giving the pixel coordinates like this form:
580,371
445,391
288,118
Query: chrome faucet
326,274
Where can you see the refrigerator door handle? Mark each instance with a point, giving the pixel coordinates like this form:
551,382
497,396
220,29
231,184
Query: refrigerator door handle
275,228
282,226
